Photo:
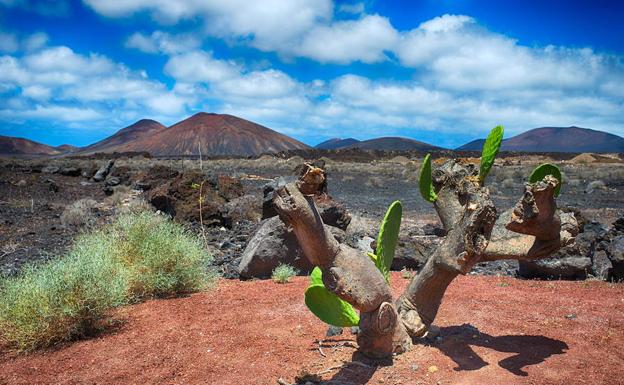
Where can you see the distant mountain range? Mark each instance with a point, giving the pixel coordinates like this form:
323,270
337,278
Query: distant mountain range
227,135
556,139
336,143
388,143
20,146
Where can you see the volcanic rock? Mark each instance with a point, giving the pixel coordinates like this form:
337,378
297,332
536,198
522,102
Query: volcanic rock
101,174
273,244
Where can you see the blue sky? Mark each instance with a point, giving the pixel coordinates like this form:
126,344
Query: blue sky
441,71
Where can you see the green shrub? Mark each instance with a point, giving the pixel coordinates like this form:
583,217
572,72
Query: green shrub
283,273
64,299
162,258
140,255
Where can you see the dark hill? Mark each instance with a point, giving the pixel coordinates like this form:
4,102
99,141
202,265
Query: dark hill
557,139
336,143
394,144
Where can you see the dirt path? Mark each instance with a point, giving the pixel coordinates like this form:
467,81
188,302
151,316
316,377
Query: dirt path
494,331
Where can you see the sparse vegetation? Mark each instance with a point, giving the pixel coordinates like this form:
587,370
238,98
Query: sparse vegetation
140,255
64,299
80,213
283,273
163,259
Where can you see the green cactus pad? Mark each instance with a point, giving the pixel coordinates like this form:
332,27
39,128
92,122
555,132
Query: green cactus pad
490,150
547,169
316,276
387,239
329,308
424,182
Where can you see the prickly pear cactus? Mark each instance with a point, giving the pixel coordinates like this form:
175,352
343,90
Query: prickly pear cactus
424,182
327,306
546,169
490,150
388,237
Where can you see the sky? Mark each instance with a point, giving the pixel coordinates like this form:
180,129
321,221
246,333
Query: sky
439,71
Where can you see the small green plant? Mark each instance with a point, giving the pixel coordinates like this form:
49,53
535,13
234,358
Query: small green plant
327,306
547,169
490,150
283,273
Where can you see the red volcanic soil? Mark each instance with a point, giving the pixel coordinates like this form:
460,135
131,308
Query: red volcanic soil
494,331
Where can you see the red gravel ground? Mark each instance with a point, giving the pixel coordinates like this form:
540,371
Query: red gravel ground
494,331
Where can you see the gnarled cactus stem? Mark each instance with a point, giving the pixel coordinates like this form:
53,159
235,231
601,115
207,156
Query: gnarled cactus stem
349,274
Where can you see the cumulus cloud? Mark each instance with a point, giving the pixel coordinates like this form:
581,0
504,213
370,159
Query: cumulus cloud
267,24
200,66
343,42
60,85
460,55
162,42
292,28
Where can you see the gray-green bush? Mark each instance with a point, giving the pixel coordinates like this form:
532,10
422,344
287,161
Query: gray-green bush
64,299
138,256
161,257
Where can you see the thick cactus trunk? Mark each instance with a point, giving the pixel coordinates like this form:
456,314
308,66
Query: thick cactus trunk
351,276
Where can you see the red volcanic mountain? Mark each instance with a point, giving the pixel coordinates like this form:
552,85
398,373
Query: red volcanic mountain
20,146
123,140
218,134
557,139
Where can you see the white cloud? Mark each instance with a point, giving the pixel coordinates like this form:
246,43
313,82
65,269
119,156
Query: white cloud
162,42
259,84
267,23
200,66
56,113
63,59
343,42
66,86
460,55
36,92
291,28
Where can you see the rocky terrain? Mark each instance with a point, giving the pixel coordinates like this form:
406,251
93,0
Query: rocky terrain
46,203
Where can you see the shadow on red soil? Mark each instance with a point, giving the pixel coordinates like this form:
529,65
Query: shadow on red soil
493,331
